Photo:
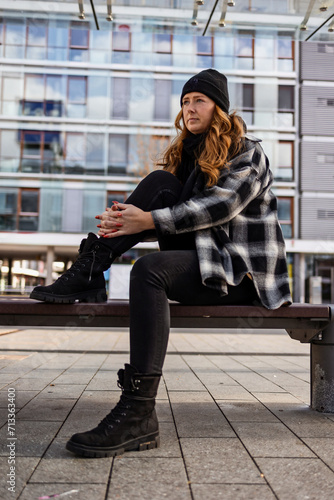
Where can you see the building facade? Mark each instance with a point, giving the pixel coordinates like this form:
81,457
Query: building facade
85,112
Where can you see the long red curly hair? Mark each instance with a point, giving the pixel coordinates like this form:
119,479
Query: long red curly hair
222,142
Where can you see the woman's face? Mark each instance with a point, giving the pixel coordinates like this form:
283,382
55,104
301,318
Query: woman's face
197,112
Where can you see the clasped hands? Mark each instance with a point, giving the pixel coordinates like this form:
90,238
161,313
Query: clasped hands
122,219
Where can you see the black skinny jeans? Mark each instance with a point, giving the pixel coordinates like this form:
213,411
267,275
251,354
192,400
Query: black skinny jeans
172,273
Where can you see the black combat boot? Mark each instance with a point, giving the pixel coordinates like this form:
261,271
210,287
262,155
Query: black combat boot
131,426
84,280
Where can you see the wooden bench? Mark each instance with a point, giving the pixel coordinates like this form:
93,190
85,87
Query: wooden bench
304,322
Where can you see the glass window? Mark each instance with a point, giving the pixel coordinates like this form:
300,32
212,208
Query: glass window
33,104
98,100
95,154
57,42
34,87
163,49
10,151
53,153
244,50
55,94
12,91
286,105
50,209
77,95
75,153
31,151
285,53
93,204
163,43
100,44
285,161
28,210
121,97
248,103
163,91
264,49
204,51
285,216
8,209
121,40
286,98
79,38
37,34
118,154
15,33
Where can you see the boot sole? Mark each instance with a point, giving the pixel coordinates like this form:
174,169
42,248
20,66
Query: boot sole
148,442
90,296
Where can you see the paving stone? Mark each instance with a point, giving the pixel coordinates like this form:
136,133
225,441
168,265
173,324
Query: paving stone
103,381
182,380
61,391
30,384
7,378
270,440
81,491
21,398
76,376
233,393
197,415
24,467
33,437
28,363
151,478
323,448
42,374
244,411
43,409
299,479
231,492
63,361
302,420
61,466
219,460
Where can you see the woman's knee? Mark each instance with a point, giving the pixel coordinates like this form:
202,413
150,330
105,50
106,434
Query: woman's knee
162,179
149,270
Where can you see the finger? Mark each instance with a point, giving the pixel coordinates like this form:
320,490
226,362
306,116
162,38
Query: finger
122,206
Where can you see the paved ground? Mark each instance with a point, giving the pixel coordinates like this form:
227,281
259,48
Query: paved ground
233,410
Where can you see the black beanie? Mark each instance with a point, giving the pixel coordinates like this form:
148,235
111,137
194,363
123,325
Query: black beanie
210,83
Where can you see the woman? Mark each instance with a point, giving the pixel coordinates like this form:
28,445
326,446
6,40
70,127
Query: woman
215,218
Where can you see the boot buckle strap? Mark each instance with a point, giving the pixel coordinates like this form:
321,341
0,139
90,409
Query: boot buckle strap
135,384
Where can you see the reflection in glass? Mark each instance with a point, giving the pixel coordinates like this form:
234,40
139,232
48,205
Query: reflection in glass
29,201
118,154
36,34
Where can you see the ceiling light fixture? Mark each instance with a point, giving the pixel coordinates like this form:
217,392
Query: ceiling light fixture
231,4
200,2
81,10
109,10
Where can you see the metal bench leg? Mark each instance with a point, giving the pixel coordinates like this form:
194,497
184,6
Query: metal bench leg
322,371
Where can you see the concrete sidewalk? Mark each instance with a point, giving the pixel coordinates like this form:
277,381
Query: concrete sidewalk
233,411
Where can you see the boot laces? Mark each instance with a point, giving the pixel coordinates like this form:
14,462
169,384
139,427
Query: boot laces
120,410
78,265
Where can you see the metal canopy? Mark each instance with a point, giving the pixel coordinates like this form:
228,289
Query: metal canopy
308,19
